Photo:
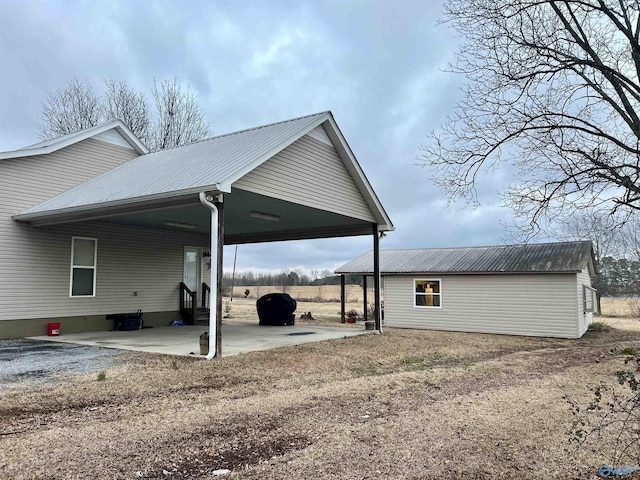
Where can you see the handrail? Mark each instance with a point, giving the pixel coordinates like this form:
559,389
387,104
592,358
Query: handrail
183,286
188,303
206,292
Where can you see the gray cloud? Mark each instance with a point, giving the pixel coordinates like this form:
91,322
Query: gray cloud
377,65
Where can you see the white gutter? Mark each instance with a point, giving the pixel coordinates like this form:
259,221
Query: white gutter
381,235
207,200
124,202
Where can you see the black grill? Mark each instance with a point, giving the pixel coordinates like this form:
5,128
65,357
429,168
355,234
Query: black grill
276,309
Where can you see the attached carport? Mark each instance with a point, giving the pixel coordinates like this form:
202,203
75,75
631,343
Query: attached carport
290,180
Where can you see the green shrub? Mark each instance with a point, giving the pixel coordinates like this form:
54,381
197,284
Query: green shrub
102,376
599,326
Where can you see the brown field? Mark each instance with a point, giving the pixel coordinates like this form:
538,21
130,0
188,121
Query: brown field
617,307
404,405
324,293
324,312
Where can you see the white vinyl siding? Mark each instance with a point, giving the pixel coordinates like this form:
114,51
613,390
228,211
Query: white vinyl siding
28,181
527,304
34,262
130,259
309,172
584,318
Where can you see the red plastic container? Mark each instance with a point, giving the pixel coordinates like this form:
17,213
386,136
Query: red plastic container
53,329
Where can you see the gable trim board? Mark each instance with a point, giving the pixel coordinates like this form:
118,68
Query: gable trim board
545,298
102,133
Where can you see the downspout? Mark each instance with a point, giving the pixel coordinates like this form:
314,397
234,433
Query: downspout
207,201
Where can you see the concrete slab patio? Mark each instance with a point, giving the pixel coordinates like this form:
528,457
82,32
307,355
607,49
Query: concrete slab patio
237,338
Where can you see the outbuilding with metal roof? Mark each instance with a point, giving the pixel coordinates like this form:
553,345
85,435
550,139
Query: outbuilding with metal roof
534,289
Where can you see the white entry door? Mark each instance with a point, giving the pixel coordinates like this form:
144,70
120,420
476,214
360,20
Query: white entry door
193,268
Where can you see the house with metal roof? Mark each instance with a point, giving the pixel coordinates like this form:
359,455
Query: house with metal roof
92,224
535,289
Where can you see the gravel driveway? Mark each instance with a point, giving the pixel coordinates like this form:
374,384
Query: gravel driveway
41,362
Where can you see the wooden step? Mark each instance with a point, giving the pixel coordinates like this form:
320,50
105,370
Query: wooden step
202,316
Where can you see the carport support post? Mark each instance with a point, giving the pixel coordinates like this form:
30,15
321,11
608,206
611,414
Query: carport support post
220,250
376,277
364,290
342,299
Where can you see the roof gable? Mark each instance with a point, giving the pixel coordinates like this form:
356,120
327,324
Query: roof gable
104,132
211,164
542,257
309,172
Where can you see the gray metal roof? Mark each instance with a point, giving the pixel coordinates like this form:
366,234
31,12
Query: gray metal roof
213,163
542,257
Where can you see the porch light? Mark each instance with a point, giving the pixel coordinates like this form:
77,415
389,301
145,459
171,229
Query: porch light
189,226
265,216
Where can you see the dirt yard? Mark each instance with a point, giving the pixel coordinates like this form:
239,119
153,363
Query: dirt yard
404,405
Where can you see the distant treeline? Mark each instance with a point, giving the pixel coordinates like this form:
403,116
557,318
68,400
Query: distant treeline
288,278
618,276
615,277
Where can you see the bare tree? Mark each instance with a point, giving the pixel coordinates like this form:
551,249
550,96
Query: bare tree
70,109
610,237
315,274
553,91
590,225
630,234
285,281
315,278
121,102
179,118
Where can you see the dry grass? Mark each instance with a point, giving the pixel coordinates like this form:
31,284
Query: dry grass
618,307
325,312
407,405
244,310
324,293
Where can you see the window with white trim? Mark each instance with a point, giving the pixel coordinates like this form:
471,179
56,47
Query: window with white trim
83,267
427,293
589,299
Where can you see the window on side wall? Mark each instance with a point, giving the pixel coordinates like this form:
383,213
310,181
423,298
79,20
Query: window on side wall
427,293
83,267
590,299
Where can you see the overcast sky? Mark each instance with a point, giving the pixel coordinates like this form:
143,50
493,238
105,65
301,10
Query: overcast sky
378,66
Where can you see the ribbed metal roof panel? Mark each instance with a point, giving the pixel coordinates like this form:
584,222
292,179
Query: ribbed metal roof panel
201,164
541,257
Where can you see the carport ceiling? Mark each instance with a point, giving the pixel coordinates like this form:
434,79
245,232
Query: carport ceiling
294,221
